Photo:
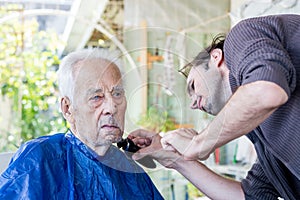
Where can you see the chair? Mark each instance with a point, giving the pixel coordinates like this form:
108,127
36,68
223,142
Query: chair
4,160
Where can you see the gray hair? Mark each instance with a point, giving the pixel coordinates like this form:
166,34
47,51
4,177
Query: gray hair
66,69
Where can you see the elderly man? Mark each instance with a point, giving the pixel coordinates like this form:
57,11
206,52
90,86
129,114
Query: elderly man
83,163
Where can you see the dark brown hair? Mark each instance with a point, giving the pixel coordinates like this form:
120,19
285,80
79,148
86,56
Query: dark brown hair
203,56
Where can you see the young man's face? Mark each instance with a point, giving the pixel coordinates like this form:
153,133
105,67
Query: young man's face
99,103
206,88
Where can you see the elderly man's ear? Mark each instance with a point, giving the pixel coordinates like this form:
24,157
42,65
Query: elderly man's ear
65,105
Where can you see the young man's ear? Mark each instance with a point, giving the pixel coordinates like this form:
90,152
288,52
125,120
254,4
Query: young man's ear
216,56
65,105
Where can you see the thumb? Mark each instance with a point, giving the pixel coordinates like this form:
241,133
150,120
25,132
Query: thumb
140,154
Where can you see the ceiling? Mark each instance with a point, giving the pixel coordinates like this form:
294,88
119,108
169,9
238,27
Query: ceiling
95,22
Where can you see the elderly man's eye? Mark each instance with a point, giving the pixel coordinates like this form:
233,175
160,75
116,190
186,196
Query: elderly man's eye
118,94
97,97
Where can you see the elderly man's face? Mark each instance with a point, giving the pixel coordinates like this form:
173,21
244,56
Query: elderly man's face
99,103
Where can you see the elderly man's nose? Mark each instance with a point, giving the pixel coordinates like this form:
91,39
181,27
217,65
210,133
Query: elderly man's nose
110,107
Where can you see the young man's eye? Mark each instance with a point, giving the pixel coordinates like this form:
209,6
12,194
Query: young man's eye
191,88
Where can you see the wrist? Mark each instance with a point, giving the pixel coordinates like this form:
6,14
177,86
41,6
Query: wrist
202,145
180,163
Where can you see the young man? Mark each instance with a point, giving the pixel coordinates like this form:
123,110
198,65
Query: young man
250,82
83,163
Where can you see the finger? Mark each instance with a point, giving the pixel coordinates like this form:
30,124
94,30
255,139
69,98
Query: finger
181,131
170,148
141,153
177,141
168,137
131,137
141,133
192,132
164,142
186,132
194,151
152,149
166,145
142,142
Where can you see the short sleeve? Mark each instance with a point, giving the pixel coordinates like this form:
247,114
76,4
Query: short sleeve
268,61
255,50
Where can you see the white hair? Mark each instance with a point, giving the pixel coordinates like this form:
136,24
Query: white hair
66,69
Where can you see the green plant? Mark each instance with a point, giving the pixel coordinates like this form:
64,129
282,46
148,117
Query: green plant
193,192
28,61
157,120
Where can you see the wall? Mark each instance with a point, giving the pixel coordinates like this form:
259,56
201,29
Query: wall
241,9
171,34
177,31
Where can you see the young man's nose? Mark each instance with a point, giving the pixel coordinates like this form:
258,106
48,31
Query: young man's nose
194,102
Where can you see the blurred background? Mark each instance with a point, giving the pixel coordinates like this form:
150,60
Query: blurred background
156,38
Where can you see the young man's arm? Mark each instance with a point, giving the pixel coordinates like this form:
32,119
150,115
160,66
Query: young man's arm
211,184
248,107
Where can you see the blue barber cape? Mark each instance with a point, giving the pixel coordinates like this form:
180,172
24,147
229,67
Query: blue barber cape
62,167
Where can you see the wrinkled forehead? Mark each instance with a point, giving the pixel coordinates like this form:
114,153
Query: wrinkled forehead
96,68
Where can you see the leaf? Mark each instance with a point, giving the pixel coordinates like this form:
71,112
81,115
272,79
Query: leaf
27,66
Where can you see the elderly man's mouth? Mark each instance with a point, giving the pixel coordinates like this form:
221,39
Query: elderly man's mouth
109,127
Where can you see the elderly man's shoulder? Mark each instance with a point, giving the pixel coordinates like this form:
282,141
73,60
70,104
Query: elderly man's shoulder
41,148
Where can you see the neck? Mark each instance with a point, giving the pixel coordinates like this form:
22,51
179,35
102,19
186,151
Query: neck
98,149
226,83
